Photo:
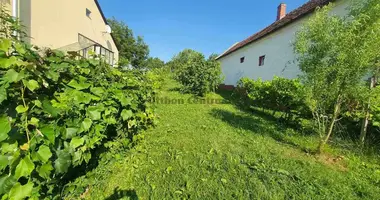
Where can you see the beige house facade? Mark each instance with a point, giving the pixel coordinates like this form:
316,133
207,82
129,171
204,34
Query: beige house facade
67,25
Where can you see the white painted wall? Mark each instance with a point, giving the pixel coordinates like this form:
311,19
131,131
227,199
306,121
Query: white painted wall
278,51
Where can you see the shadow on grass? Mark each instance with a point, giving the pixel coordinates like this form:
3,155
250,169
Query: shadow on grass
123,194
259,123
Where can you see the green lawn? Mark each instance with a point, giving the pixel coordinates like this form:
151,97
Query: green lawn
203,151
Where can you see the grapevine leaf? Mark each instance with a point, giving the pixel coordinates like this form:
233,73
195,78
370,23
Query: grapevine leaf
70,133
52,75
98,91
19,192
3,162
45,170
79,86
44,153
24,168
48,132
6,183
126,114
3,94
5,127
20,48
38,103
32,85
86,124
5,63
34,121
94,113
46,105
76,142
13,76
21,109
63,161
5,44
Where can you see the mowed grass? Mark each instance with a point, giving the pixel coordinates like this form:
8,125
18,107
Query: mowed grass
216,151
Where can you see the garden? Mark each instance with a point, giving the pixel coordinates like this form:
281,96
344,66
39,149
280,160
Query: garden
75,128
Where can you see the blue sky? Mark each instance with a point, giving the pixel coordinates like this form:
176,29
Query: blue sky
208,26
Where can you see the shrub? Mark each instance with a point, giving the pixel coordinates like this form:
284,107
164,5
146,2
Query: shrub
196,74
280,94
55,109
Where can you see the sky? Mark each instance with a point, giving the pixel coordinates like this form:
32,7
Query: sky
207,26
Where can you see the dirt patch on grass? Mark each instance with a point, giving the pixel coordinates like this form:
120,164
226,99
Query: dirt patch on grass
333,161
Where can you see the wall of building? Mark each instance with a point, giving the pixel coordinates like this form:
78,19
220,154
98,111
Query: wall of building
57,23
278,51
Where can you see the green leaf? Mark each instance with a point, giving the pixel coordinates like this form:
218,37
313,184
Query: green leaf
46,105
6,63
5,128
126,114
12,76
34,121
79,86
49,133
38,103
45,170
70,133
52,75
32,85
63,161
94,113
86,124
21,109
20,192
98,91
76,142
5,44
3,162
6,183
44,153
3,94
24,168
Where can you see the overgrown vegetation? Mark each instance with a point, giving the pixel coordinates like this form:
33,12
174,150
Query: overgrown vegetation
196,74
335,54
279,95
56,109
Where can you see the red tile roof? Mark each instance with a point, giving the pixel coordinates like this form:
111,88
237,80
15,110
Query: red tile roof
296,14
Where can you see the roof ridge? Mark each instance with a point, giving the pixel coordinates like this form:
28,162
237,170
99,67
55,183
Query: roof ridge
292,16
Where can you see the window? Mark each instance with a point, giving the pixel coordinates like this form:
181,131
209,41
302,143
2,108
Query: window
261,60
88,13
242,59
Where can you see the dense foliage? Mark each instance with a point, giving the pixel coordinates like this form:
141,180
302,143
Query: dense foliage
280,94
196,74
154,63
55,109
335,54
132,50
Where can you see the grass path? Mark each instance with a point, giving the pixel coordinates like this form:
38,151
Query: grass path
203,151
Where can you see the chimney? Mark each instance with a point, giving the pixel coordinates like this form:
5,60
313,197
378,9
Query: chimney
281,11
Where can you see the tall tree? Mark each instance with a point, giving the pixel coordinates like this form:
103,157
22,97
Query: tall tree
132,50
154,63
335,54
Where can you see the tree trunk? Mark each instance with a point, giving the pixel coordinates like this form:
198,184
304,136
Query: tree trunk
363,131
332,124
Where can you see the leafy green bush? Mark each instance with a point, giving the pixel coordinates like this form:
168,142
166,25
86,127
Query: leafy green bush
280,94
196,74
55,109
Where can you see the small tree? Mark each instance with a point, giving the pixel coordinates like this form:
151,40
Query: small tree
196,74
335,54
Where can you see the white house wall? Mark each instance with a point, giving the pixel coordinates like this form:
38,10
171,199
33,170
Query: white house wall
278,51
